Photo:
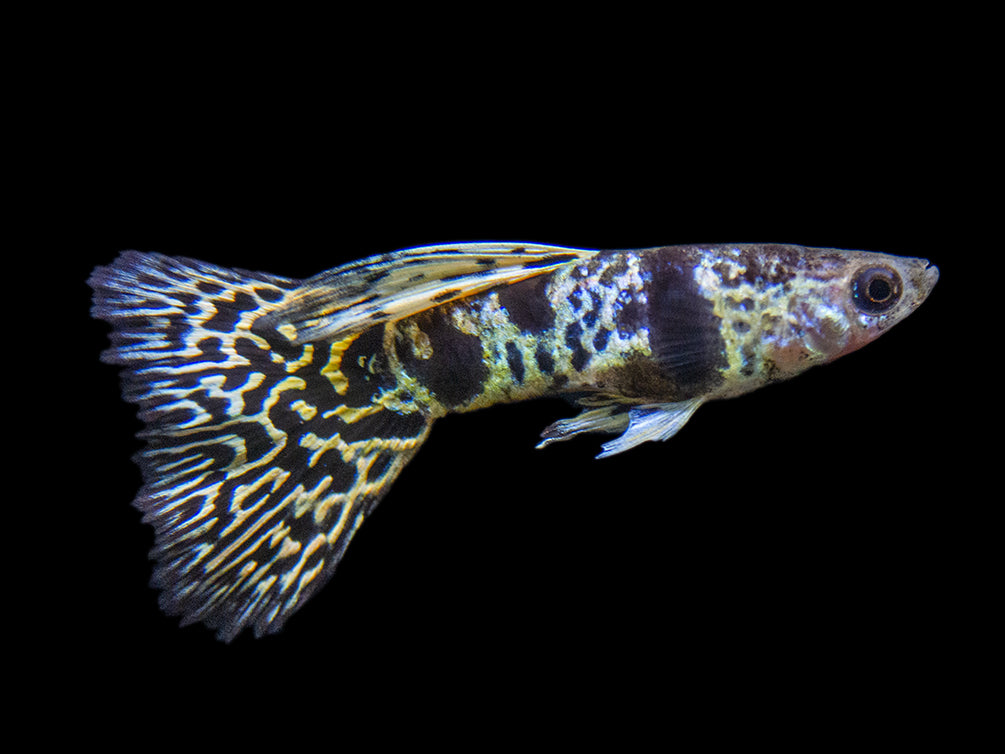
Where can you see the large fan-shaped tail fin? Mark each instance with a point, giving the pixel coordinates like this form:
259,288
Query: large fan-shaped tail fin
262,456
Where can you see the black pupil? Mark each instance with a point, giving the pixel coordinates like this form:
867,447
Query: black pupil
875,289
879,290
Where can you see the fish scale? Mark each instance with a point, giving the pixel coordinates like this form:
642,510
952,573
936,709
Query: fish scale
279,412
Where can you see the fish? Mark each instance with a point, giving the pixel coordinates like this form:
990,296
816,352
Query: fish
278,412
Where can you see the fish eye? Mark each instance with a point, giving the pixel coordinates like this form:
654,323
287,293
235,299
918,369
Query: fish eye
876,289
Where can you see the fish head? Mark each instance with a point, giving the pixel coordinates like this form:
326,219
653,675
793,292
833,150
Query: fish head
842,300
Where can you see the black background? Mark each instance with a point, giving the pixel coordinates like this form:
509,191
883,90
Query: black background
807,542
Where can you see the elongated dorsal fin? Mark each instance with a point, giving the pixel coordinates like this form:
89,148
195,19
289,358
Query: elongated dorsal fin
359,295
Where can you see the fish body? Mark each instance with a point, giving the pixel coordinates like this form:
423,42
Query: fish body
278,412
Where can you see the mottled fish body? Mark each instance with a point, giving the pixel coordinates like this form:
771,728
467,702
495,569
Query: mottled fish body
278,412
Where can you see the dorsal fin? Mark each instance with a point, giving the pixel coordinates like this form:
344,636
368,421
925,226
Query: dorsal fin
359,295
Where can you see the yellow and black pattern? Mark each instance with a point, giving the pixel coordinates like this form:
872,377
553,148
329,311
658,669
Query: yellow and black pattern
278,412
262,457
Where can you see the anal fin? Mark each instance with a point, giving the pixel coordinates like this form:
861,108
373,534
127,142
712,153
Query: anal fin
637,424
610,419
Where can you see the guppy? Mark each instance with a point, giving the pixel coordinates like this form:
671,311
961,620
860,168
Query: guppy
278,412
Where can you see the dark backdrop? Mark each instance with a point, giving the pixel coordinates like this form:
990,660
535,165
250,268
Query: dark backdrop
811,534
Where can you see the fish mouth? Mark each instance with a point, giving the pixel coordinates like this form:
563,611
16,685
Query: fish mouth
931,275
920,277
923,276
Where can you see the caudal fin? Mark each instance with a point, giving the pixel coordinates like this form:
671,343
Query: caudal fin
262,457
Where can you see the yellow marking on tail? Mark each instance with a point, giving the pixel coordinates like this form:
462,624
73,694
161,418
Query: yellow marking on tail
333,369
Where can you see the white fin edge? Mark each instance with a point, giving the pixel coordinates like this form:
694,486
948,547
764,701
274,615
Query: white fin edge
368,292
611,419
652,422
